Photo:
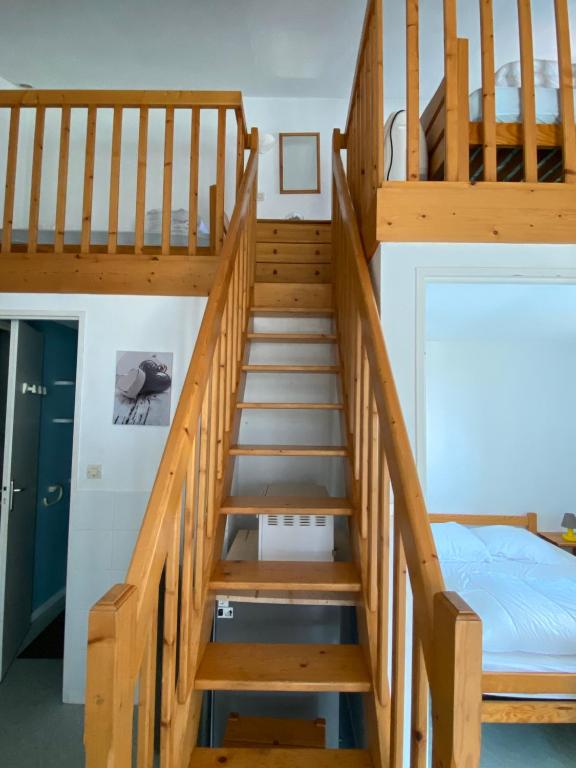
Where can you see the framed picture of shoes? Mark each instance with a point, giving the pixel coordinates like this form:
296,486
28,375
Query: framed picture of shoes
143,389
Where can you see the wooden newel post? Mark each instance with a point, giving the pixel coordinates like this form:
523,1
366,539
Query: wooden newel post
457,683
110,682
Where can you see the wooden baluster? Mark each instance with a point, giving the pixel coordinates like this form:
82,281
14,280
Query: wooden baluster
364,443
451,91
398,646
412,91
566,90
373,503
194,169
188,549
11,159
167,181
61,190
141,181
419,711
235,322
222,426
36,180
488,90
169,650
212,467
229,358
378,100
147,696
240,144
357,395
382,687
463,112
199,563
220,179
88,181
528,94
114,180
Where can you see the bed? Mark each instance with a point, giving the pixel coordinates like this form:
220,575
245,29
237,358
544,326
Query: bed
524,590
509,128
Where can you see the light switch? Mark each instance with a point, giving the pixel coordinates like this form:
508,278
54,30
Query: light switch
94,471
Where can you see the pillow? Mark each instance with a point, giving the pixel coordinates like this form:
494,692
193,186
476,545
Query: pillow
545,74
506,542
457,543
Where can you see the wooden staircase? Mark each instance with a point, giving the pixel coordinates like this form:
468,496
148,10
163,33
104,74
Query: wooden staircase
292,292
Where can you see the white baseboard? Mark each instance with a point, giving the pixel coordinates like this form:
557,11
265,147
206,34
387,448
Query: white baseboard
44,615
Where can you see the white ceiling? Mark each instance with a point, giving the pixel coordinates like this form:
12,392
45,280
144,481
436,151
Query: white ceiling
501,311
262,47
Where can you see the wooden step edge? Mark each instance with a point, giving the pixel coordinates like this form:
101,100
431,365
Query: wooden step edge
253,368
293,338
283,667
291,406
285,576
302,311
283,597
286,505
288,450
277,757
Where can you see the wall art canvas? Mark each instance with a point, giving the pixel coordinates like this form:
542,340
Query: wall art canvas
143,388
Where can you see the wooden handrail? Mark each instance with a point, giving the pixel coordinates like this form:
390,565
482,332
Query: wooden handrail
171,469
419,544
447,634
180,536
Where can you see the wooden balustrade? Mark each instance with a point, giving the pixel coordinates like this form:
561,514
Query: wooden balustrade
364,138
388,496
166,586
33,237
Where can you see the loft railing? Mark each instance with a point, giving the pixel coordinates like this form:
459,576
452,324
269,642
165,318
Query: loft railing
459,150
393,527
83,165
166,585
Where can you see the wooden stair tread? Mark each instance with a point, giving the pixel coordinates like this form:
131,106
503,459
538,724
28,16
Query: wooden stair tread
294,338
291,406
283,667
281,597
286,505
304,311
291,368
267,732
280,758
288,450
285,575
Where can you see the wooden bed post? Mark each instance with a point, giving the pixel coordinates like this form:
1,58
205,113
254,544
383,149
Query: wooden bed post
457,683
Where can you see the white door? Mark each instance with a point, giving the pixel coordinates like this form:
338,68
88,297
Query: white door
23,392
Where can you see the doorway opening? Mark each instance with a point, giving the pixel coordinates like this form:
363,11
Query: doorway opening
38,363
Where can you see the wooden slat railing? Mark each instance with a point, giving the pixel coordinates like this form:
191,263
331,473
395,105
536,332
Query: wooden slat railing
446,631
47,240
364,138
166,584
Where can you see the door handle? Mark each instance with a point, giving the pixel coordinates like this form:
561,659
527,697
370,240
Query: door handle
13,490
56,489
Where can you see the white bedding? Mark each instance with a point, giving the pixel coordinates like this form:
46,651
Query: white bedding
523,589
509,105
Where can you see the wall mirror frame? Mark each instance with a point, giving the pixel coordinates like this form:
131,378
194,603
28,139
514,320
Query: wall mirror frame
299,163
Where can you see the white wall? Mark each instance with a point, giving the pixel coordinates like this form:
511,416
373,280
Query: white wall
405,269
105,514
501,419
295,115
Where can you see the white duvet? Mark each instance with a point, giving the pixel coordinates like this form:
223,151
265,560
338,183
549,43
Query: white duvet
523,589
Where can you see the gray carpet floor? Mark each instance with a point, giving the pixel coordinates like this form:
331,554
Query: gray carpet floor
38,731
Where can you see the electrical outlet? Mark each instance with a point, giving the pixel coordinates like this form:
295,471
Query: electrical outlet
94,471
260,196
224,610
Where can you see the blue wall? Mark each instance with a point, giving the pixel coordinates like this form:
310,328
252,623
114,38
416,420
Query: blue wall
54,460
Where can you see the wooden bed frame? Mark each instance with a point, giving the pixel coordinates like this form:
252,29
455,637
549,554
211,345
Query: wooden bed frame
497,686
509,144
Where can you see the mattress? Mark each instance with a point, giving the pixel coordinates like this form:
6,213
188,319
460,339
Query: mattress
509,105
523,589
